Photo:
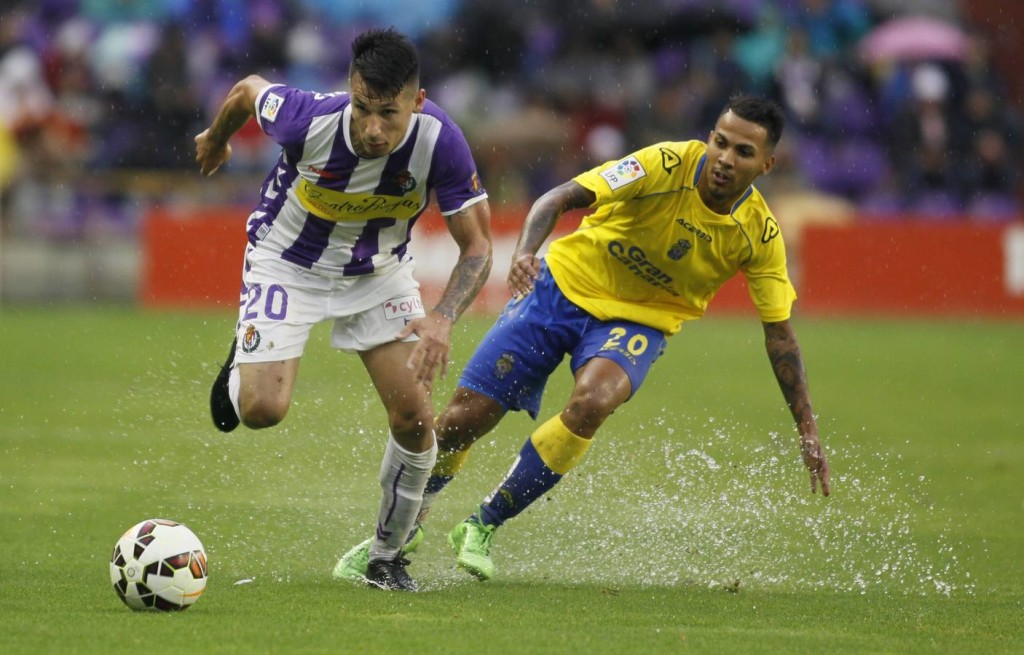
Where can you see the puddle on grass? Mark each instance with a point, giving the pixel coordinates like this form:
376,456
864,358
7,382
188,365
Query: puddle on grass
708,505
705,508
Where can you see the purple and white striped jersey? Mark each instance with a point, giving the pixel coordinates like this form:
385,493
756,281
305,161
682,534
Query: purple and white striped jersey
325,209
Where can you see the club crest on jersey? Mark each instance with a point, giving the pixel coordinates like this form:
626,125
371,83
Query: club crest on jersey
406,182
402,307
251,339
625,172
679,249
474,183
271,106
503,366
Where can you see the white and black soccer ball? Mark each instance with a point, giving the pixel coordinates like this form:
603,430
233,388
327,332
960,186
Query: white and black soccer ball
158,565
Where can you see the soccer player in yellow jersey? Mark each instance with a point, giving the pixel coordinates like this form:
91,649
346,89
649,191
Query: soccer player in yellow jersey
672,223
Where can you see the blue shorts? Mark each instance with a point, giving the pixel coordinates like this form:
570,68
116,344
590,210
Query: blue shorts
534,333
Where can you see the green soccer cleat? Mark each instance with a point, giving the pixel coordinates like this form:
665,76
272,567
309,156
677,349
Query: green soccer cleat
353,565
471,540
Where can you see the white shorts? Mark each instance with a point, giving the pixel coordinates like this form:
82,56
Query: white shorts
280,303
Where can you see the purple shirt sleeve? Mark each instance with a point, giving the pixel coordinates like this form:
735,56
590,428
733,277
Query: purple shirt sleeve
453,173
284,113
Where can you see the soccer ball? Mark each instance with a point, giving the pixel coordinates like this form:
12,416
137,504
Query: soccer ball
158,565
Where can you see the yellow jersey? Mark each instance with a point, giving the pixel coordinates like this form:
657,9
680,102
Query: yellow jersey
654,254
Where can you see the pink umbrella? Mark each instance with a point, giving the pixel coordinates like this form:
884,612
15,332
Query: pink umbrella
913,38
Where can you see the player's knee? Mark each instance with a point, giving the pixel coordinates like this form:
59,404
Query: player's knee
263,414
411,424
592,405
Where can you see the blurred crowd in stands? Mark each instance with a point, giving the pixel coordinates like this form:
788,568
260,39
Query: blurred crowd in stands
918,124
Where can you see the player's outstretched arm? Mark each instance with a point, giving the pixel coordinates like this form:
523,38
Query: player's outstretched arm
471,230
537,227
788,365
212,148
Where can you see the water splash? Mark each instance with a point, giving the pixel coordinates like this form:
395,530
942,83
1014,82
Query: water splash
725,514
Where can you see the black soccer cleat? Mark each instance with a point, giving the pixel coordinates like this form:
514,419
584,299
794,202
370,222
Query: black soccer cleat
221,409
390,575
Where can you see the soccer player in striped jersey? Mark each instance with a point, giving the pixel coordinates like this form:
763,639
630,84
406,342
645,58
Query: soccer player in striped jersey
327,241
671,223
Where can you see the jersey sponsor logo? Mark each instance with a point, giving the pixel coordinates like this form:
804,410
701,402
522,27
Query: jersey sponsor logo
271,106
339,206
624,172
326,174
636,262
401,307
697,232
250,339
669,159
679,249
771,230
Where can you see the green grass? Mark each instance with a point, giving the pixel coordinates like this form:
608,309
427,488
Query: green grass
689,528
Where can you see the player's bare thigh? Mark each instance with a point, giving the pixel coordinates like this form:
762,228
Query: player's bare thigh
265,392
408,403
601,386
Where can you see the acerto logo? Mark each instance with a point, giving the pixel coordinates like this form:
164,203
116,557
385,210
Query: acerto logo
771,230
699,233
669,160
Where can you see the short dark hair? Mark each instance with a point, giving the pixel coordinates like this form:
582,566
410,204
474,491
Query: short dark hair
762,111
386,60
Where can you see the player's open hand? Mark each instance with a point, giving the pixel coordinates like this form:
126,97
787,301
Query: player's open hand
430,355
211,153
814,460
524,271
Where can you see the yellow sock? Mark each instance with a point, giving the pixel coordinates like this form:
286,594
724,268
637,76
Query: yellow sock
557,446
449,463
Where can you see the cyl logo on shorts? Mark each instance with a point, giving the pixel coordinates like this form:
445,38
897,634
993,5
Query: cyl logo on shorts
404,306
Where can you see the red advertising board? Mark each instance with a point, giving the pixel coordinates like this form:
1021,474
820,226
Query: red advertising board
194,258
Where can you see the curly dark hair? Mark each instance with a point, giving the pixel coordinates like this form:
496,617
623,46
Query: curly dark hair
386,60
762,111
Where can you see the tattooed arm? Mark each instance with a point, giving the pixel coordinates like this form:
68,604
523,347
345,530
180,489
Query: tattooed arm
470,227
537,228
471,230
788,365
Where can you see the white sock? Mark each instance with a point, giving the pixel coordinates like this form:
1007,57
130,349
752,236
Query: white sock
403,475
234,389
426,505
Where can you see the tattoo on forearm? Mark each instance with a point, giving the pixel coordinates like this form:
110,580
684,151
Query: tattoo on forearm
787,363
542,217
467,279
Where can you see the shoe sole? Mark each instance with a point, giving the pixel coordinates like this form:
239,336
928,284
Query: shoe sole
221,410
